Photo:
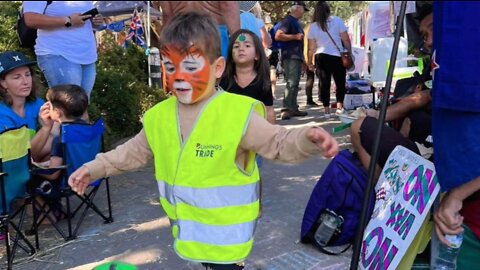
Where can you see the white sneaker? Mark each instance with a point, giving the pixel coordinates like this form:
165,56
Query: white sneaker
340,111
327,116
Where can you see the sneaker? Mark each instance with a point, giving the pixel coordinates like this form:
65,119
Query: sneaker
299,113
327,116
44,188
339,111
285,115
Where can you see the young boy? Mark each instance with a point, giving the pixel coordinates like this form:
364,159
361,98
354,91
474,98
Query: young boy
68,103
203,142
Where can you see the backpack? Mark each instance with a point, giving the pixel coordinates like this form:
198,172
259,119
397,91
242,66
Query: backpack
335,205
26,35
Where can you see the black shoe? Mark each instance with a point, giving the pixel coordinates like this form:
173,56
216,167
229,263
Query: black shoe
298,113
312,103
285,115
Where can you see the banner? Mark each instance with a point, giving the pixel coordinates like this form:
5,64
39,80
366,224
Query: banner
405,192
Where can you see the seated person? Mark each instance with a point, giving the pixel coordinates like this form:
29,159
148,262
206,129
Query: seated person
19,104
416,128
68,103
414,133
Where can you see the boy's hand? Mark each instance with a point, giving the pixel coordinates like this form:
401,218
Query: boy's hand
325,142
79,180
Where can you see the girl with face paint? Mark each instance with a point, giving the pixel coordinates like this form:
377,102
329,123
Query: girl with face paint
247,70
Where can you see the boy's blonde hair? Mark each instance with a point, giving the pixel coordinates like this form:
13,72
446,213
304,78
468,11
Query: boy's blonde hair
192,29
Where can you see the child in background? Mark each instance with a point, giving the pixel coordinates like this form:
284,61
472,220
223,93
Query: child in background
247,70
203,142
247,73
68,103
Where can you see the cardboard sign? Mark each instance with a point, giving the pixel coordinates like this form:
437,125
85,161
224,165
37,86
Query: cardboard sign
405,192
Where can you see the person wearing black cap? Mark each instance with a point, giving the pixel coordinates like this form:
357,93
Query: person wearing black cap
291,33
19,104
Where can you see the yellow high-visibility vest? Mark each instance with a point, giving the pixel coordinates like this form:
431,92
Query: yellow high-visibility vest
212,203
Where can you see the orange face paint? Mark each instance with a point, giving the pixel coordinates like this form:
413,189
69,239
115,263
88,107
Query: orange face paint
187,74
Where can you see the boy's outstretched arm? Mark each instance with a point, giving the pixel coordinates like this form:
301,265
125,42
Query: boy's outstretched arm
133,154
324,141
291,145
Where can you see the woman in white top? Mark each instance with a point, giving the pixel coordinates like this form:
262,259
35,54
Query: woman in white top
65,47
327,56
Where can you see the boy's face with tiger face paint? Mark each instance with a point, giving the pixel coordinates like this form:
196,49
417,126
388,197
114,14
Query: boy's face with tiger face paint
189,75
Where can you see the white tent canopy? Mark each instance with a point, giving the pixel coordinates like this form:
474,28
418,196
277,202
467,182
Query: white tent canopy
117,8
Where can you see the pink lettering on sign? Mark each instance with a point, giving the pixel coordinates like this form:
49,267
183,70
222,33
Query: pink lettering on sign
419,187
401,220
383,253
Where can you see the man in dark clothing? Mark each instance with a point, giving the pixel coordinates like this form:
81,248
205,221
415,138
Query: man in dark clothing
291,34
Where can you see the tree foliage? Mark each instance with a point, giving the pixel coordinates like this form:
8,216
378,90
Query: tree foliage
121,94
344,9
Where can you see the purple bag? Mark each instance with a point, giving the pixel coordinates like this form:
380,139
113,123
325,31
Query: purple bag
340,190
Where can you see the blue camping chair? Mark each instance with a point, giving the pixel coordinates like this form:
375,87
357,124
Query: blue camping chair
80,142
14,175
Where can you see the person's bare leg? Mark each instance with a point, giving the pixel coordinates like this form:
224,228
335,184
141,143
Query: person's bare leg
405,128
273,80
363,155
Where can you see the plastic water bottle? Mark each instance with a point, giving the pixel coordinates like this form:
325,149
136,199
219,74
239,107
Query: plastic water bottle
446,257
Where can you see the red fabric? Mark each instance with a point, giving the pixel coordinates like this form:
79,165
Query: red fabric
471,213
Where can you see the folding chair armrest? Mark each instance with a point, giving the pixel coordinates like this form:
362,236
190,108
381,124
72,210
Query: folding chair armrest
47,170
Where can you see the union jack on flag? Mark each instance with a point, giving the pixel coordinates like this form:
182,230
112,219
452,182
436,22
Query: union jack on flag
135,32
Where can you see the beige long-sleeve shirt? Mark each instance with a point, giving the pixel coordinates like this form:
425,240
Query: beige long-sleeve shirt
273,142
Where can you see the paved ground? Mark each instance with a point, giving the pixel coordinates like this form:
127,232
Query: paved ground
140,233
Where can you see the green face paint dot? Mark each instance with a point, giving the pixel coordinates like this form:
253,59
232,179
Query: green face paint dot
241,38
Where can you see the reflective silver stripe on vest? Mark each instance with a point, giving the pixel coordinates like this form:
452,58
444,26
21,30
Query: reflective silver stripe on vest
216,235
210,197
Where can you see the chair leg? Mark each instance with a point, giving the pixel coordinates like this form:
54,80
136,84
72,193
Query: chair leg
12,248
42,213
35,227
69,220
86,202
107,186
4,226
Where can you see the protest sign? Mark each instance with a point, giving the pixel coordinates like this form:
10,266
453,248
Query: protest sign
405,192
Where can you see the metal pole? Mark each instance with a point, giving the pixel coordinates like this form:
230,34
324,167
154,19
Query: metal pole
148,25
373,161
147,37
155,75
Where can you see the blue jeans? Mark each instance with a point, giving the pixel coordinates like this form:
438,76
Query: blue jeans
58,70
293,70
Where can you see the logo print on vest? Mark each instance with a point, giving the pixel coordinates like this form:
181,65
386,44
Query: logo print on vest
206,150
